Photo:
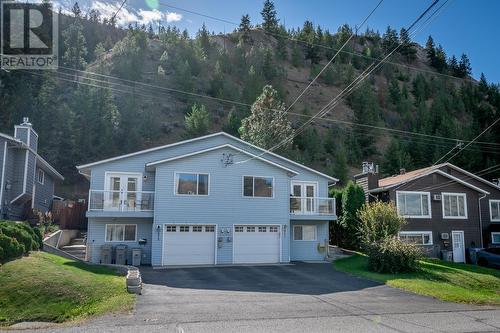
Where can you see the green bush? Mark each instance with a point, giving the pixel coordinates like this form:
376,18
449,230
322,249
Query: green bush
10,248
23,233
378,220
391,255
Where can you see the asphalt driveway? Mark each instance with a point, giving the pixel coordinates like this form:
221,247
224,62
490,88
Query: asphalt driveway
289,298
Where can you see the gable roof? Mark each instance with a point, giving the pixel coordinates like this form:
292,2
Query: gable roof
390,182
41,162
155,163
264,152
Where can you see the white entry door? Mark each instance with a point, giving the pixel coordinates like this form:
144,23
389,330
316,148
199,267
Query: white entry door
304,196
189,245
255,244
457,239
122,191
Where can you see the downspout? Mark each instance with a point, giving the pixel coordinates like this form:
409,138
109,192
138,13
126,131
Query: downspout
481,219
2,180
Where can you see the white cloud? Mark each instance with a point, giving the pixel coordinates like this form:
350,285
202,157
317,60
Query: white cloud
173,17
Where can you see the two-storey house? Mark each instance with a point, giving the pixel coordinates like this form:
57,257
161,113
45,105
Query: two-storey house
446,207
26,179
215,199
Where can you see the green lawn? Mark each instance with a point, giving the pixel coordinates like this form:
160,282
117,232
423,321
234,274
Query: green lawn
45,287
446,281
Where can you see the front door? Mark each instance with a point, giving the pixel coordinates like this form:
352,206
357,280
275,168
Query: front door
304,197
457,239
122,191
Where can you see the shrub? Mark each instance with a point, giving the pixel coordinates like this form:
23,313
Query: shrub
23,233
391,255
378,220
353,198
10,248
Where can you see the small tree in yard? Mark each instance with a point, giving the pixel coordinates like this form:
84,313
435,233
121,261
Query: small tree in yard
197,121
353,198
378,220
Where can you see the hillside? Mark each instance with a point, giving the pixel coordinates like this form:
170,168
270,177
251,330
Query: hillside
134,88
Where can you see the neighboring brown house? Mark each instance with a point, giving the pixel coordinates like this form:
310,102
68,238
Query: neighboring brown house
447,208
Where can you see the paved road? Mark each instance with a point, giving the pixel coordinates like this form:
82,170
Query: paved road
291,298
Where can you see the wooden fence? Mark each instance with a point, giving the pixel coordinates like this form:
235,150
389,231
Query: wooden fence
70,214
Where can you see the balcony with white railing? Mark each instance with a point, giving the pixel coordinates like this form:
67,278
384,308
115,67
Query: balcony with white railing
312,208
121,203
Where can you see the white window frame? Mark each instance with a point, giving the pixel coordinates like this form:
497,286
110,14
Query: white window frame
415,216
493,238
443,194
410,233
42,173
253,187
176,183
109,174
496,201
305,240
120,241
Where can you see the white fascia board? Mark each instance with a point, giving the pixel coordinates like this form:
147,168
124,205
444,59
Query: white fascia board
152,164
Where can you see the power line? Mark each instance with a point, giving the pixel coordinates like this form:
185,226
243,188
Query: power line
318,45
484,131
333,58
343,93
116,13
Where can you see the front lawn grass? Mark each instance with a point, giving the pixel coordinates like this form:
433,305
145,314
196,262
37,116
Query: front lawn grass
460,283
45,287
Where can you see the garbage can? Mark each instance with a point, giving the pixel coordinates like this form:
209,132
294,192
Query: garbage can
136,257
121,255
106,254
473,254
447,255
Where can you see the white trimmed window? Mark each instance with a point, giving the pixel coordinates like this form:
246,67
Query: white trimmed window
191,183
262,229
416,237
184,228
209,228
413,204
40,176
171,228
454,205
304,233
495,238
495,210
238,229
197,228
121,232
273,229
258,186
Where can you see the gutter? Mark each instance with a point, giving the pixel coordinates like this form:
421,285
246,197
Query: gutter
481,219
2,179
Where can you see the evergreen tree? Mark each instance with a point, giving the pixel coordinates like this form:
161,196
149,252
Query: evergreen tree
269,17
464,67
197,121
396,157
453,66
353,198
430,49
203,39
268,123
244,28
233,123
390,40
77,12
407,48
75,46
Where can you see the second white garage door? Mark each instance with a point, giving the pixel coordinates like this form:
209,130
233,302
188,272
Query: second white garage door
189,245
255,244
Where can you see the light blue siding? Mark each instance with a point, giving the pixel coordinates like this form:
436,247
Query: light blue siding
308,250
96,238
225,204
44,193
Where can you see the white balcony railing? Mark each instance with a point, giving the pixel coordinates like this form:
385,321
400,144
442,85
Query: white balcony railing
121,201
312,206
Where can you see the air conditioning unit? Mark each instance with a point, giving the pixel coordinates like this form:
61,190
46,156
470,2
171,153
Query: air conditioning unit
445,235
436,197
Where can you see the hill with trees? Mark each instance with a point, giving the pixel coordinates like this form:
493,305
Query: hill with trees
120,90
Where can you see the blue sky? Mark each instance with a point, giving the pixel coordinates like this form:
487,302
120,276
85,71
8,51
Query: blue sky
465,26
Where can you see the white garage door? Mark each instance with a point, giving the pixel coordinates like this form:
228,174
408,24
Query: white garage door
256,244
189,245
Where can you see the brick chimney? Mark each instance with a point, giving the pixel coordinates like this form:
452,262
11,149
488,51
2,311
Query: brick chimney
26,134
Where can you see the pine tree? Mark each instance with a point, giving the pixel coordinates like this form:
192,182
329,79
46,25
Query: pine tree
244,28
453,66
353,198
407,48
75,46
233,123
269,17
430,49
268,122
77,12
390,40
197,121
203,38
464,67
395,158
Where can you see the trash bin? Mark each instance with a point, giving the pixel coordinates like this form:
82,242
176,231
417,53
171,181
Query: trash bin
447,255
121,255
473,254
106,254
136,257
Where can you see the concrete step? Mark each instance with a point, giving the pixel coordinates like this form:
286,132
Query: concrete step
77,241
74,247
